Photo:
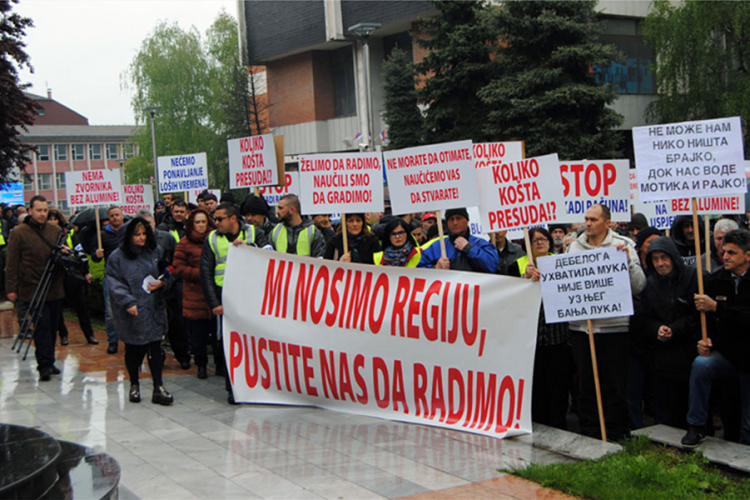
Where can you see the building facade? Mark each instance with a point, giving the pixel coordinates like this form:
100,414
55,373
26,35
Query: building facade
65,142
316,80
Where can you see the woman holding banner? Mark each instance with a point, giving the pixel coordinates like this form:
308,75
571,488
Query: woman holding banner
400,247
553,362
362,243
195,308
137,278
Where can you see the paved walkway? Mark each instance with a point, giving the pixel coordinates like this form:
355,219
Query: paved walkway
201,447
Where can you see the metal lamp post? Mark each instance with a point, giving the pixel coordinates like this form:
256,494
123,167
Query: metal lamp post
152,111
364,30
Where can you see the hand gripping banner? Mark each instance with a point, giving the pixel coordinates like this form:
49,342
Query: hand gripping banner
443,348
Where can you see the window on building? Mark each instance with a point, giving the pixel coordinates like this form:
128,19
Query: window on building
28,182
60,180
127,151
401,41
43,152
77,151
112,152
95,151
63,205
632,74
61,152
45,181
344,92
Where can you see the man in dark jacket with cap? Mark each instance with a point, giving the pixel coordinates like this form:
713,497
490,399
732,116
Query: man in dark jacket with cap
725,355
255,210
684,238
669,327
464,252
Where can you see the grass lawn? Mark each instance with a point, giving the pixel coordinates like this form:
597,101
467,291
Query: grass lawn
641,470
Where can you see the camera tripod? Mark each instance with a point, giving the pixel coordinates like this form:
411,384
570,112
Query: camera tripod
34,312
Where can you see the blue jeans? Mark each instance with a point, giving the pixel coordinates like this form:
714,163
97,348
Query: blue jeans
108,320
706,370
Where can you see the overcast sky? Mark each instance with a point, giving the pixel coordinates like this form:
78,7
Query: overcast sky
80,48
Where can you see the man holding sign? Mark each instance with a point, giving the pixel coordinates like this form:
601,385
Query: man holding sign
611,342
463,252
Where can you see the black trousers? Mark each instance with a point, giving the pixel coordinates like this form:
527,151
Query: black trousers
612,362
553,370
176,333
44,331
202,331
134,358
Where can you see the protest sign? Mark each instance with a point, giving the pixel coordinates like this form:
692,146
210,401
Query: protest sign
689,159
136,197
11,193
520,193
594,284
495,153
346,183
272,194
427,178
182,173
253,162
588,182
475,224
193,194
85,188
432,347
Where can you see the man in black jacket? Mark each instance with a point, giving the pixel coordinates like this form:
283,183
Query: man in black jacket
110,242
670,326
725,355
229,231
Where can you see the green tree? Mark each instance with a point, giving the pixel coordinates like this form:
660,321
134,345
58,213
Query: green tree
702,60
459,63
16,110
402,114
547,94
202,93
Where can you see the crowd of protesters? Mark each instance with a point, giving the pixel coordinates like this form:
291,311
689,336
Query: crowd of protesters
164,277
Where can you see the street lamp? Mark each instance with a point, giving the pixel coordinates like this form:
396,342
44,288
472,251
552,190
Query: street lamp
364,30
152,111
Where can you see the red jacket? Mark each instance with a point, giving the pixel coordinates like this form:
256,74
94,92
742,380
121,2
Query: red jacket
186,262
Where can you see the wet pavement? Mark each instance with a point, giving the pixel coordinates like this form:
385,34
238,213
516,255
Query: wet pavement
202,447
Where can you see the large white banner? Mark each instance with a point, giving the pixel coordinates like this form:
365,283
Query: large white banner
137,196
444,348
520,193
346,183
86,188
252,162
594,284
427,178
182,173
589,182
690,159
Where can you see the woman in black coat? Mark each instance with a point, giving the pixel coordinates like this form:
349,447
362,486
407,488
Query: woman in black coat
362,243
137,280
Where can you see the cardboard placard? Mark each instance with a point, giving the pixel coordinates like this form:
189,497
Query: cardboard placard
272,194
487,154
182,173
193,194
252,162
588,182
86,188
136,197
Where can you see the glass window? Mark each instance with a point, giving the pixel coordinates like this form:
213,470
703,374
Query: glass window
95,151
127,151
28,182
112,152
63,205
60,180
632,74
43,152
45,181
61,152
77,151
342,71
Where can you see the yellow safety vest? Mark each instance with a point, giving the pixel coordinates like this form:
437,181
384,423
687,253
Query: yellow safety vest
175,235
2,238
412,262
220,246
523,262
69,240
280,241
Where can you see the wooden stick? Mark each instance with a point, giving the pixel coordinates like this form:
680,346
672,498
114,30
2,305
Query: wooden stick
666,233
344,233
493,239
602,426
527,241
707,230
441,233
256,191
98,228
699,264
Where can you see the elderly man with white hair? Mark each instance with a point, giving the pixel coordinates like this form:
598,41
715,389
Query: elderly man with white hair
722,227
